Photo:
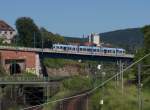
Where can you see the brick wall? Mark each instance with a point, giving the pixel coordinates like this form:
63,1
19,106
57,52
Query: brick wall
29,58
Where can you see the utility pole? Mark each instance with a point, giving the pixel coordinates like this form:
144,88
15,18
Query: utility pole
34,39
121,75
1,98
122,79
42,44
139,87
117,77
87,103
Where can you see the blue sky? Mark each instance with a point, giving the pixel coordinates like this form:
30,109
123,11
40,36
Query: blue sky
78,17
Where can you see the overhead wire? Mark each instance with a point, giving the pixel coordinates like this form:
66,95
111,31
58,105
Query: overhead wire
91,91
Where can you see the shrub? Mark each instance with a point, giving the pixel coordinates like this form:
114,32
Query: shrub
78,83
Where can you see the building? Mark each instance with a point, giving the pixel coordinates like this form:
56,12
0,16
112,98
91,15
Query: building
18,62
95,38
6,32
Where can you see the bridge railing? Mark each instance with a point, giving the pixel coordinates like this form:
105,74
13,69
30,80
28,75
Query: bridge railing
23,79
31,79
58,51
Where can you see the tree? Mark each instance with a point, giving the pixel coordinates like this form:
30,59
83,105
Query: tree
49,38
144,51
1,40
28,33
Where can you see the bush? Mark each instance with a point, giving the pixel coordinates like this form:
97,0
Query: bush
77,83
59,63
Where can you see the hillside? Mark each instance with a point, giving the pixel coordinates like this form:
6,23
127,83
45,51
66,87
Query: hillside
130,39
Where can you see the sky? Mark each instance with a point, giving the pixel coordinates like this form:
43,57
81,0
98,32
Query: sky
74,18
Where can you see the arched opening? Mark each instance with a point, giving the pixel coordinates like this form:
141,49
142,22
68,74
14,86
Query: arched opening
15,69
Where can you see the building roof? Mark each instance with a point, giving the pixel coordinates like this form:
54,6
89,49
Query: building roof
5,27
88,44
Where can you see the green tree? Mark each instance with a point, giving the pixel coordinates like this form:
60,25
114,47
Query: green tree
1,40
28,33
143,51
49,38
146,31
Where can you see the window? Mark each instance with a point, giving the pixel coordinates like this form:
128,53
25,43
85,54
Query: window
80,49
84,49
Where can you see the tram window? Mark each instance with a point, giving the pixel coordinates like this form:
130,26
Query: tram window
105,51
64,48
84,49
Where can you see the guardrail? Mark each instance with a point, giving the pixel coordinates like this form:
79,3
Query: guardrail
31,79
23,79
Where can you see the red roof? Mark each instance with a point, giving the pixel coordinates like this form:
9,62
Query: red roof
88,44
5,27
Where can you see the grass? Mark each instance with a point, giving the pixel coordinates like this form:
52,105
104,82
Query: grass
114,99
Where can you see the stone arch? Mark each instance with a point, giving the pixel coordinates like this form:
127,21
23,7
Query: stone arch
15,69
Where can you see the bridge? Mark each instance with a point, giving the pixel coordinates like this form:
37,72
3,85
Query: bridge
20,80
71,54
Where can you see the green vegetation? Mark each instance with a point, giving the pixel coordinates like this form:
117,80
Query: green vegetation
49,38
77,83
28,32
142,52
59,63
130,39
75,40
114,99
69,87
29,35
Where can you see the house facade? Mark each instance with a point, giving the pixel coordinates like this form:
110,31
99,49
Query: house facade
6,32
